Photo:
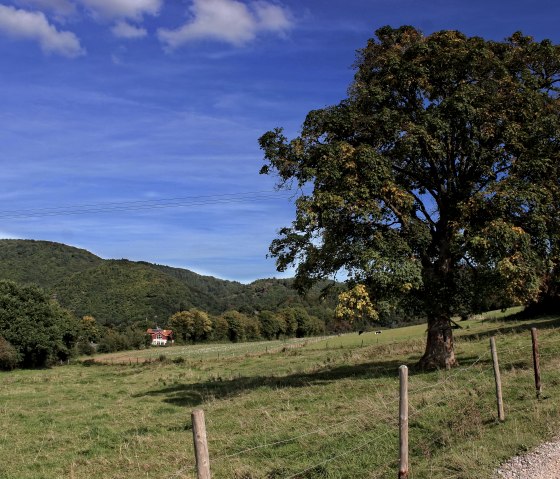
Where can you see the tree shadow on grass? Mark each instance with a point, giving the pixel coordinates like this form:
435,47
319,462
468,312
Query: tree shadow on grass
191,395
194,394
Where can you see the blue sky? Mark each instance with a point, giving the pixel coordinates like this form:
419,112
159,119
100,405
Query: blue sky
123,105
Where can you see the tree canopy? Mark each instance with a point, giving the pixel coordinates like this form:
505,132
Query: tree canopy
39,331
427,183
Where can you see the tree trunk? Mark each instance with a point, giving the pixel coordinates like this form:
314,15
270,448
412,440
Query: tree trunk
439,352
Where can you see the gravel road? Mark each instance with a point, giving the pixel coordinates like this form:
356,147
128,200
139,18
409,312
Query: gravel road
542,463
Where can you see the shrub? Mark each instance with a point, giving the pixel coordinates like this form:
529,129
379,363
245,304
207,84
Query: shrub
8,355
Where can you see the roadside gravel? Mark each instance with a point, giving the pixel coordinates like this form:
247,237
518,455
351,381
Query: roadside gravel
542,463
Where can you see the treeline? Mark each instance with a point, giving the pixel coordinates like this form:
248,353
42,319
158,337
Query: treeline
194,325
197,326
36,332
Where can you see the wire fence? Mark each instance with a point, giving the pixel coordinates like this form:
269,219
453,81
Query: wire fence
428,399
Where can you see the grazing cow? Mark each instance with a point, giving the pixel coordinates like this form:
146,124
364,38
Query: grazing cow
360,332
377,332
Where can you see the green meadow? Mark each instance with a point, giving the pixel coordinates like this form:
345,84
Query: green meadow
311,408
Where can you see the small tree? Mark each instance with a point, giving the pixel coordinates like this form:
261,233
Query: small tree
289,318
272,325
355,305
236,325
182,324
202,326
252,328
219,328
89,329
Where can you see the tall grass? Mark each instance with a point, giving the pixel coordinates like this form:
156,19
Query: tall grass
322,410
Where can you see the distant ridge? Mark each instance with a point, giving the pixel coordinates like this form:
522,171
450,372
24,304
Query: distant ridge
124,293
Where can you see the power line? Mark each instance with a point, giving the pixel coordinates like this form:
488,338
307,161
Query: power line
177,202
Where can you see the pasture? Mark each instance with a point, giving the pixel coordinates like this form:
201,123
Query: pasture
311,408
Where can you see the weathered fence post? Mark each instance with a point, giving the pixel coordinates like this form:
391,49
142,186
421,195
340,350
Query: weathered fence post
403,423
200,445
536,362
497,378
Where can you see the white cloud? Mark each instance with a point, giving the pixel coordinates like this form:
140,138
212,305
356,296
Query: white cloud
23,24
126,30
134,9
272,17
61,8
230,21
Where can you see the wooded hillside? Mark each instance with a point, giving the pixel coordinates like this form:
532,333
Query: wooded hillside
123,293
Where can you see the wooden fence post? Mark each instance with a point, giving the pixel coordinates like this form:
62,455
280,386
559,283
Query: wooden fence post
200,445
403,423
536,362
497,378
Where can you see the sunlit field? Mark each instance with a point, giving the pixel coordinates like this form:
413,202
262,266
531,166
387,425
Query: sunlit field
310,408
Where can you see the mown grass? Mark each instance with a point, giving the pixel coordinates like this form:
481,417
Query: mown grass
321,410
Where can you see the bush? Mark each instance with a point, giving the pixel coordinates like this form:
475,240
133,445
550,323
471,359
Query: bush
8,355
85,348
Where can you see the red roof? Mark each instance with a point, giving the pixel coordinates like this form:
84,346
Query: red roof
163,332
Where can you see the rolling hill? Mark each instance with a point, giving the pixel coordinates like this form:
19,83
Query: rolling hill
122,293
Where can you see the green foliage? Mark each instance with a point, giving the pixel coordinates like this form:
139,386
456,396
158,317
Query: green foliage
89,329
192,325
113,340
220,328
236,322
42,263
37,327
9,357
252,328
122,293
272,325
422,184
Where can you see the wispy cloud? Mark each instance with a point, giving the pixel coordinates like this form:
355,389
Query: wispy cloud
25,25
119,9
229,21
60,8
124,29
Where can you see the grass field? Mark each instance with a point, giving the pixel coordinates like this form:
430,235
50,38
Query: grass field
308,409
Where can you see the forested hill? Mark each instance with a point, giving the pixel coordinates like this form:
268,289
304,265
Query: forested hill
124,293
42,262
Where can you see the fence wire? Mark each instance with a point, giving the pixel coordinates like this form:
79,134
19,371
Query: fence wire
482,381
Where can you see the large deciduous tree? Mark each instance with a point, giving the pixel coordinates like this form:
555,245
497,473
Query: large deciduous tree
425,183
